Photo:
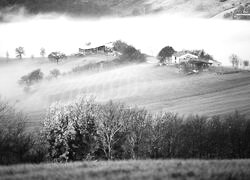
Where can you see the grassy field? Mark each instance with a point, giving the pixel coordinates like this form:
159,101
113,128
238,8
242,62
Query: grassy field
145,85
134,170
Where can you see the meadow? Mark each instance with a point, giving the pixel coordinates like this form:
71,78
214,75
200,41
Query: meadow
131,170
145,85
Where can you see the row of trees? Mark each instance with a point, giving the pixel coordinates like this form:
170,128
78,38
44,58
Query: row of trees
86,130
20,52
236,61
55,56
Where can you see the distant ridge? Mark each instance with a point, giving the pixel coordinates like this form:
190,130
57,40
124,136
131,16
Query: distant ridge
100,8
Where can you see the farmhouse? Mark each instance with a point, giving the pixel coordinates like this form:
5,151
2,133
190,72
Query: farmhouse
183,56
190,62
96,48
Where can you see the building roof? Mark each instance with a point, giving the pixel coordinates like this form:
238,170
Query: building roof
96,45
184,53
214,61
188,55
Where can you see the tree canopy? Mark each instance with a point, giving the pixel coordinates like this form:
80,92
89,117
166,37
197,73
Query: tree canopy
56,56
165,52
20,52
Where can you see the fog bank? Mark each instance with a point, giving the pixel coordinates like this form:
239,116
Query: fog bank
148,33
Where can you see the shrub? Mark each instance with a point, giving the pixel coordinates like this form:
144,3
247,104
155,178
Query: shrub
246,63
185,67
228,15
31,78
16,144
55,73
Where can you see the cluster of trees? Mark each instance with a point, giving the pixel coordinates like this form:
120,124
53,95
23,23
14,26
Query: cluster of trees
128,52
86,130
53,56
236,61
31,78
35,77
17,145
115,131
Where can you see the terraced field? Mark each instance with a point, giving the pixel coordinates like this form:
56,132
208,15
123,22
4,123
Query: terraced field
145,85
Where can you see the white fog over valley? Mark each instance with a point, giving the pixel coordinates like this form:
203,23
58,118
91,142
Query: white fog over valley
218,37
144,85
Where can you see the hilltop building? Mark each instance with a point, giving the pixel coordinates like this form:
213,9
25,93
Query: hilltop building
90,48
183,56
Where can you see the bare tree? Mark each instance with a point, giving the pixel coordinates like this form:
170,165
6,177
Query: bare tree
42,52
111,123
7,55
20,52
234,59
56,56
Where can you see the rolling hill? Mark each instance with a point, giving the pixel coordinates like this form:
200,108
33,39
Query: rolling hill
145,85
100,8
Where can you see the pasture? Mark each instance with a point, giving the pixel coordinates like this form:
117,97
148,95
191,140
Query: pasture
145,85
131,170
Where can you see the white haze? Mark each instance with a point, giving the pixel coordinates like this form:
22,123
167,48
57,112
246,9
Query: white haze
149,34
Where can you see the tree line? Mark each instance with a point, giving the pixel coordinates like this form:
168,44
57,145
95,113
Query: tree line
87,130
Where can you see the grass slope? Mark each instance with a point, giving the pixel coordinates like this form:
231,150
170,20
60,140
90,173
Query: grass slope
146,85
131,170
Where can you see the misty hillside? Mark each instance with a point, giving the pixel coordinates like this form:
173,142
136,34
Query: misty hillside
98,8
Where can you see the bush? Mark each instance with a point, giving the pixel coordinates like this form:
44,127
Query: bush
55,73
31,78
246,63
185,67
16,144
